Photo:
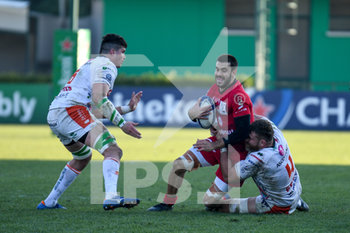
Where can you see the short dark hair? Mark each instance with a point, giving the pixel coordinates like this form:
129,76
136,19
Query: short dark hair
112,41
263,129
228,58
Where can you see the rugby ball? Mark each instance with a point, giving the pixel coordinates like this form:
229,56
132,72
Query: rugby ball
206,123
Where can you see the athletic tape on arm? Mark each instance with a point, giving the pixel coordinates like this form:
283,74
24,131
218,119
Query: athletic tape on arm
125,109
107,108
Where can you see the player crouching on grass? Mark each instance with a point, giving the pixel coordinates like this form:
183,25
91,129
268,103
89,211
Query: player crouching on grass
76,125
271,166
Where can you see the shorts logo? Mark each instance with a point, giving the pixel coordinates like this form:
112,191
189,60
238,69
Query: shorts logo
239,99
53,124
80,115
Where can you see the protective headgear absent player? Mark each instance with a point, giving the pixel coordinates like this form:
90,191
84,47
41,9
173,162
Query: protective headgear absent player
73,117
271,166
234,114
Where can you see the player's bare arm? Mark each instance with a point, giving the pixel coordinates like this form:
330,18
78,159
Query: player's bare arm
205,145
107,109
228,168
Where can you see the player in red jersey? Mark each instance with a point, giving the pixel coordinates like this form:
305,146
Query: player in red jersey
234,115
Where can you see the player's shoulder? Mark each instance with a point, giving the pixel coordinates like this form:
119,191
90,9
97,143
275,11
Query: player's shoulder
213,90
238,94
105,64
262,155
239,90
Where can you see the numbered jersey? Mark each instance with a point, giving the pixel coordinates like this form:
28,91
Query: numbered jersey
78,89
273,171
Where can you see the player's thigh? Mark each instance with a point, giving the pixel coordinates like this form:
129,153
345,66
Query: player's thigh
205,158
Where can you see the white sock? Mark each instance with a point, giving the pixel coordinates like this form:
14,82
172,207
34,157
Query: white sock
234,208
240,207
110,174
66,178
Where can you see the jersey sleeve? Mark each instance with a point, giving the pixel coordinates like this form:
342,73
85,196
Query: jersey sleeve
241,110
104,74
250,166
240,103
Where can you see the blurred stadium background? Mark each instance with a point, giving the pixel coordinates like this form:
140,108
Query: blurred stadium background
299,51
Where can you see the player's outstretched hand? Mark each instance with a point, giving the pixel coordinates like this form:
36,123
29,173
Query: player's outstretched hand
134,100
197,112
129,128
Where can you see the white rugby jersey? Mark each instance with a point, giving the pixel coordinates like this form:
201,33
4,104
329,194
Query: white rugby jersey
78,89
273,171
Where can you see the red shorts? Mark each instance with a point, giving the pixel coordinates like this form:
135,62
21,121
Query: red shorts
211,158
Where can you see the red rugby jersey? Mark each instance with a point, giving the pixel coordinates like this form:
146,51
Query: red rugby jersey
233,102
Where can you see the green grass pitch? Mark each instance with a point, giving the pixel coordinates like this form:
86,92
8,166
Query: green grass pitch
31,159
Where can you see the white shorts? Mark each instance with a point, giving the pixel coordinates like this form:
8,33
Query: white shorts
70,124
262,206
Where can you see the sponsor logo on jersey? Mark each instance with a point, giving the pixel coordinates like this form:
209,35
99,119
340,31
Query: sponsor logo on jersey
225,132
109,78
239,99
281,150
67,88
254,164
292,184
240,109
281,161
222,108
106,68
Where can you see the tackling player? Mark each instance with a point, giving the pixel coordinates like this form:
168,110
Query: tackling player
234,115
271,166
73,118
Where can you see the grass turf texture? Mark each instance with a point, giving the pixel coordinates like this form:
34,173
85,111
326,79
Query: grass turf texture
28,171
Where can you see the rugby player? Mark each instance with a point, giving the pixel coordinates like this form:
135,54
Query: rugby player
234,115
73,117
271,166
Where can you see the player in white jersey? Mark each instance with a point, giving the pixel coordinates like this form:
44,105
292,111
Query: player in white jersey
73,117
271,166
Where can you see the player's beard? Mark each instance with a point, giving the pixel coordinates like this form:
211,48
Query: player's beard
223,82
251,148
